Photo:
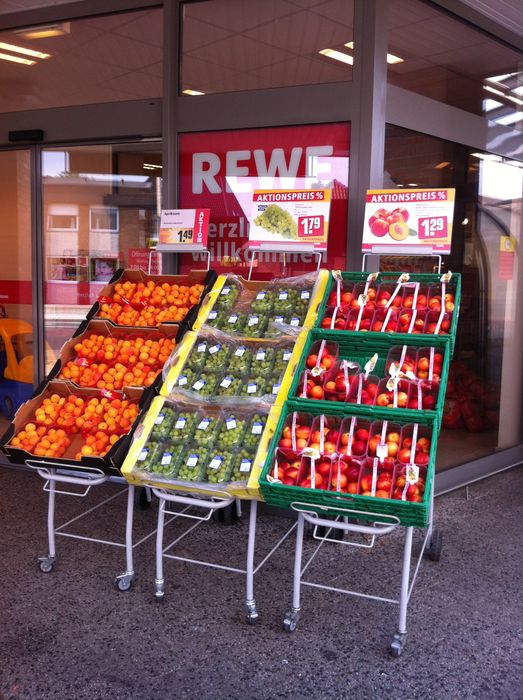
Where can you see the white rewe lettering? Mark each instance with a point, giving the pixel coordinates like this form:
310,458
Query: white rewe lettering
202,174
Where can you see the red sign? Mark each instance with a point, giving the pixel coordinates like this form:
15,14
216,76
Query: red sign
220,170
310,226
16,292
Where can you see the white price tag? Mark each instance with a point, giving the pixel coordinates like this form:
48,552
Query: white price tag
276,388
230,423
143,454
225,291
193,460
260,355
180,423
382,451
253,321
261,295
182,380
232,318
226,382
412,473
201,347
287,355
252,388
245,465
295,321
214,349
305,294
278,319
166,458
239,352
212,315
283,295
204,424
199,384
257,428
216,462
159,419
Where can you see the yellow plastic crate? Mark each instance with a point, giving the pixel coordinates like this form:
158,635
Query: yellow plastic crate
248,491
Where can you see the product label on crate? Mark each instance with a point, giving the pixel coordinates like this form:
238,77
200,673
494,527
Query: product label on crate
201,347
278,319
295,321
226,382
283,296
276,388
180,423
260,355
253,321
245,465
408,221
159,419
261,295
215,348
166,458
198,385
204,424
232,318
230,423
382,451
216,462
257,428
212,315
286,355
143,454
251,388
412,473
225,291
182,380
193,460
305,294
239,352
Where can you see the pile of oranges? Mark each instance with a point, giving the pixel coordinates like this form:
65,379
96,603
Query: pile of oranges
100,420
109,363
149,304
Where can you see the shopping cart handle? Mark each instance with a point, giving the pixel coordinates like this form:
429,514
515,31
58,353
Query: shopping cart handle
215,504
378,528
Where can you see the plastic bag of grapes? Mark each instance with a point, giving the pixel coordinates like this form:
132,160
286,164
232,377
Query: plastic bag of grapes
232,429
254,431
192,463
166,460
228,295
197,356
219,467
162,424
183,427
239,360
241,466
263,302
229,385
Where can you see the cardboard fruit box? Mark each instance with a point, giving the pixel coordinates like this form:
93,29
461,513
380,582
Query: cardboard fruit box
203,277
103,327
108,464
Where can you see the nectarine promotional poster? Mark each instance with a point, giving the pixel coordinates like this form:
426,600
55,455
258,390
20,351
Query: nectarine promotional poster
414,221
290,219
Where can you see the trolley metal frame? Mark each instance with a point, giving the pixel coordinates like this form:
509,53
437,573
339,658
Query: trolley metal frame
383,525
55,474
212,504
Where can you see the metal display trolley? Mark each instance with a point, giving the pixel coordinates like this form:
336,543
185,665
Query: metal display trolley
100,364
290,477
180,499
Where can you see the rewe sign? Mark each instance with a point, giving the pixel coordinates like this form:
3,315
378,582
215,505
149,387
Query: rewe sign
220,170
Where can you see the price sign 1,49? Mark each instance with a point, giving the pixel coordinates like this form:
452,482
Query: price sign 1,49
184,235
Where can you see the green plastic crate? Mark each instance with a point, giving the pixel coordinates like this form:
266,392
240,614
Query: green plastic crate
360,347
391,278
329,502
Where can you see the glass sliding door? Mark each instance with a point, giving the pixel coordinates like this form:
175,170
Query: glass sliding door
101,206
16,330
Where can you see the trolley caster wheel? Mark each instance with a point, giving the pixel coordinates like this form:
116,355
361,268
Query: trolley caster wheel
124,582
159,589
290,621
141,500
433,551
46,564
397,644
251,613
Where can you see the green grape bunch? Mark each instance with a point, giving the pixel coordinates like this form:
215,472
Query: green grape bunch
277,220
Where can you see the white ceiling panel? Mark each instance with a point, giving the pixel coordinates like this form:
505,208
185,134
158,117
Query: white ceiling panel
120,51
239,15
303,71
197,33
242,53
136,84
148,27
302,34
340,11
408,12
209,77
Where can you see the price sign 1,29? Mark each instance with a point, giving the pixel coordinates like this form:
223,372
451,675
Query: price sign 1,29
309,226
184,235
430,227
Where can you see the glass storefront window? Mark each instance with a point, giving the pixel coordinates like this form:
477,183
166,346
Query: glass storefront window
100,213
110,58
221,169
449,61
483,410
231,45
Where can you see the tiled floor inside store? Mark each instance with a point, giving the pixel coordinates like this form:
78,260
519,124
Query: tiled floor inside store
71,635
